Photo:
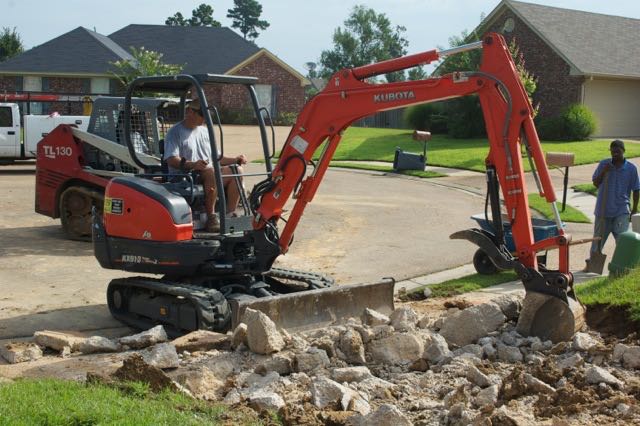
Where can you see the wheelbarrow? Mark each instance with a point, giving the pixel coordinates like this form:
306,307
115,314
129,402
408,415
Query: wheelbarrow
542,229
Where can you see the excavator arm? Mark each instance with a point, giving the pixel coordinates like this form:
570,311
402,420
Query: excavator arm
350,95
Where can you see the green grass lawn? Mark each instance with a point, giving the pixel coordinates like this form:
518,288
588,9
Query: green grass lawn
57,402
617,291
466,284
589,188
369,144
570,214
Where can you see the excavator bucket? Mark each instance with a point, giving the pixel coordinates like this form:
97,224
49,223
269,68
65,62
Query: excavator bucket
319,308
549,317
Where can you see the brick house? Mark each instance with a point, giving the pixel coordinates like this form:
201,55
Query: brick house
79,62
577,57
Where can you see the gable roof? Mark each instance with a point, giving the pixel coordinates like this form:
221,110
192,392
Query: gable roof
199,49
593,44
78,52
264,52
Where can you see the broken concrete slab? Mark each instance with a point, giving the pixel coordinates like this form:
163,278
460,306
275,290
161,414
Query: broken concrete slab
201,340
147,338
20,352
397,349
469,325
162,355
57,340
98,344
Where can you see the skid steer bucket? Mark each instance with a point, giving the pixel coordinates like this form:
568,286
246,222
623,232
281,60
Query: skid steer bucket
549,317
318,308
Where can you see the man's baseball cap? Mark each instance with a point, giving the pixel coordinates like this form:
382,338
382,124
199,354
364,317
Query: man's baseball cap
194,104
617,144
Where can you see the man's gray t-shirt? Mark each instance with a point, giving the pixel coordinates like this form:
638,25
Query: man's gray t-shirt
192,144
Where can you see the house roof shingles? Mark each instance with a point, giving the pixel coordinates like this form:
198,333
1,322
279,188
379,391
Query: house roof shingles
79,51
595,44
199,49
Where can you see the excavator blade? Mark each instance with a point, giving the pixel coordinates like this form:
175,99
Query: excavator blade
549,317
318,308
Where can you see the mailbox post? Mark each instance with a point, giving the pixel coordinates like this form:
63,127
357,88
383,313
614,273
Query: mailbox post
566,160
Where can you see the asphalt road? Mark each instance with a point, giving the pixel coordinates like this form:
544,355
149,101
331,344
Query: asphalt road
361,227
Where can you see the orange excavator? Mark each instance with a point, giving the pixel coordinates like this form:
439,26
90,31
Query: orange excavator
209,279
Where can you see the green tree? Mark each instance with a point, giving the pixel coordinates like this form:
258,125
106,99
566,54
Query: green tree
417,73
176,20
10,43
144,63
202,16
367,37
246,18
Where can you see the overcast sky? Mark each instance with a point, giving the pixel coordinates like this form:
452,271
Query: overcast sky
300,29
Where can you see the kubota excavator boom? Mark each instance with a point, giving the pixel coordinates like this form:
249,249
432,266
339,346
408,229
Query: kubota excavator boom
550,309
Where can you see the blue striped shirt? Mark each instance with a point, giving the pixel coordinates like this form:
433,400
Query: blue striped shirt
620,182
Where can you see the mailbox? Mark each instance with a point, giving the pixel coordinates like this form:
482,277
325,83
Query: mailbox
410,161
560,159
566,160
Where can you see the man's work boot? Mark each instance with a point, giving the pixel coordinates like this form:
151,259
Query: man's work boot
213,224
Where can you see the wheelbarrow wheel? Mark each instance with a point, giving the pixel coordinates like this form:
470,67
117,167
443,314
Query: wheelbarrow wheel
483,264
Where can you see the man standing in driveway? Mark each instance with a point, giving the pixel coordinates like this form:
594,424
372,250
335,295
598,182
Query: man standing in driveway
615,179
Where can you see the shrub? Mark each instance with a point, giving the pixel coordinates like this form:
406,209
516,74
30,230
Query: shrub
465,119
579,122
430,117
286,119
549,128
575,123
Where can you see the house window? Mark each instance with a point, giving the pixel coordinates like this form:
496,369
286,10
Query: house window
100,85
33,84
265,97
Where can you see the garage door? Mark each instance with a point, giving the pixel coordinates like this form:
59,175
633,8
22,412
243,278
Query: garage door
616,104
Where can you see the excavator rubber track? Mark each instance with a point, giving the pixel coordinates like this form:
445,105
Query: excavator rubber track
181,307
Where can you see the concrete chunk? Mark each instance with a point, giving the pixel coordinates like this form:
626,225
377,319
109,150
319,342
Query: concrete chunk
396,349
262,335
467,326
20,352
404,319
98,344
201,340
146,338
351,345
162,355
57,340
351,374
311,360
372,318
596,375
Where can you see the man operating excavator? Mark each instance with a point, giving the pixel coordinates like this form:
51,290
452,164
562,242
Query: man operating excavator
187,148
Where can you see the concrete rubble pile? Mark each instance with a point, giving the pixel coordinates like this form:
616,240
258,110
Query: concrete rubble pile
462,366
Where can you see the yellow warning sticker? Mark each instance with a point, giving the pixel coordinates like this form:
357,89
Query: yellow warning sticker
113,205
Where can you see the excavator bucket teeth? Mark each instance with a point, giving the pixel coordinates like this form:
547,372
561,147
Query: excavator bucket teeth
318,308
549,317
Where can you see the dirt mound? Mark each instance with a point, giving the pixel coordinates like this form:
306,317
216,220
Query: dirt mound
613,320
